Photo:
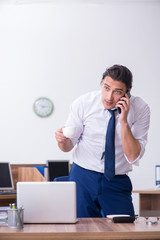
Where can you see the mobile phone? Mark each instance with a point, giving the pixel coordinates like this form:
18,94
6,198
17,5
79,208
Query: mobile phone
129,95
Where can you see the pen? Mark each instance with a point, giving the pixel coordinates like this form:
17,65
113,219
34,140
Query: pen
17,214
13,206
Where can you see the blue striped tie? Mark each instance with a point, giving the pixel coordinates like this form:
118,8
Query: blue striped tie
109,165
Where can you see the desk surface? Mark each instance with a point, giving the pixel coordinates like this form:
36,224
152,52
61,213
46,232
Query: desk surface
84,229
147,191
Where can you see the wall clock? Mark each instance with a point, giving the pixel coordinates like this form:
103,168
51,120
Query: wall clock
43,107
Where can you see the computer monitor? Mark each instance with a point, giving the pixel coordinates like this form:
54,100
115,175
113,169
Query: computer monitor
57,168
6,180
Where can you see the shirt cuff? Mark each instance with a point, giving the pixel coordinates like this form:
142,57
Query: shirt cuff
136,161
74,141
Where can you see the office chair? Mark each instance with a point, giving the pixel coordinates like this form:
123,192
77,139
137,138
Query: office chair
61,179
40,169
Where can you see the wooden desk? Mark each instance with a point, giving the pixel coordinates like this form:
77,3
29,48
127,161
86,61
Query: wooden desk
149,202
5,200
85,229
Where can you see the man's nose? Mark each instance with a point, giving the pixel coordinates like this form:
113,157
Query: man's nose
110,95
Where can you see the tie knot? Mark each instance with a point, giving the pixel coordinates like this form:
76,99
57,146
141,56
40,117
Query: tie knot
112,111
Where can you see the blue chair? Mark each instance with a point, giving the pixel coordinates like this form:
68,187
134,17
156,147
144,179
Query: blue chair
40,169
61,179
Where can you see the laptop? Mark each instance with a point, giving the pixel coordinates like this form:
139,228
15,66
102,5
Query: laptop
47,202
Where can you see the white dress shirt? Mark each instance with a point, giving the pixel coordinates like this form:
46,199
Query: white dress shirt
90,117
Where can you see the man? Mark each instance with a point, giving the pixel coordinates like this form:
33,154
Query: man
90,113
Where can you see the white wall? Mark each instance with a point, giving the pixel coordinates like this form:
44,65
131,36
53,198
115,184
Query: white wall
59,49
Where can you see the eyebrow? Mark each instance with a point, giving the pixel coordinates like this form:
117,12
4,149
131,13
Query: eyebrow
115,88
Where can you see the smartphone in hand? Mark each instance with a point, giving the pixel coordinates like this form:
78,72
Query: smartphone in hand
129,95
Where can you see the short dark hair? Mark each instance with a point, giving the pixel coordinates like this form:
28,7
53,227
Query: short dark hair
119,73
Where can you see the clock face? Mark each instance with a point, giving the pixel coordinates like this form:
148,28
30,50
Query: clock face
43,107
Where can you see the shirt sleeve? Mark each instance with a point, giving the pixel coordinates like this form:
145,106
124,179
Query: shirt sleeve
140,127
75,119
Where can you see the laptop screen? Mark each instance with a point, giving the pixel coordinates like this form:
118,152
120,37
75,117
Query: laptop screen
6,180
57,168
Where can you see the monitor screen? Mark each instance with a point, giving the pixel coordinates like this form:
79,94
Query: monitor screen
6,180
57,168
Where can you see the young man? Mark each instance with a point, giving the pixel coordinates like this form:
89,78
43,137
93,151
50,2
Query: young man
90,114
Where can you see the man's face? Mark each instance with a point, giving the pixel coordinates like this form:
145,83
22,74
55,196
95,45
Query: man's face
112,91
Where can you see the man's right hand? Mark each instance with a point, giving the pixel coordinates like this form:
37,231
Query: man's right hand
59,136
65,144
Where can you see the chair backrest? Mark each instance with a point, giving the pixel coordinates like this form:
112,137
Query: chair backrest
61,179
